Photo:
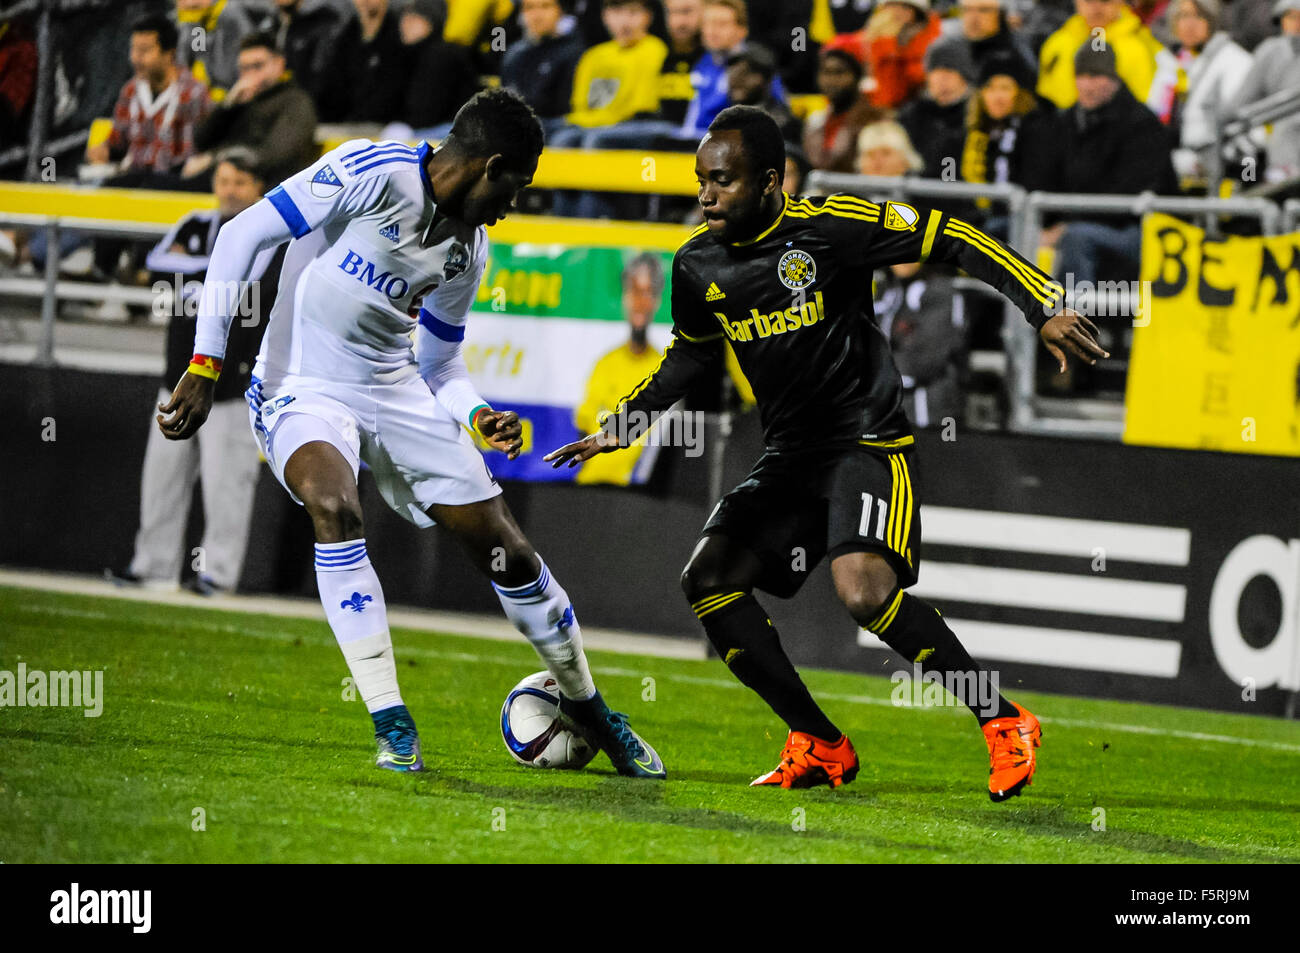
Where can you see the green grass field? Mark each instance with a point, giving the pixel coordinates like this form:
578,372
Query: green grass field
243,716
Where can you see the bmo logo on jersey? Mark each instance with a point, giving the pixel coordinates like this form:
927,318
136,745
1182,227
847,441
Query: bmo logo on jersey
393,286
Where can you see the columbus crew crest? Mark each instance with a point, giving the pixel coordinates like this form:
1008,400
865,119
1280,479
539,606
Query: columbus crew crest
900,217
796,269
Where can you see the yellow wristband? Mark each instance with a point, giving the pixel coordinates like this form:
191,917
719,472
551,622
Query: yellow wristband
204,366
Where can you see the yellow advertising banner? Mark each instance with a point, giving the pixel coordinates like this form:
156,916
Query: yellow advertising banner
1216,364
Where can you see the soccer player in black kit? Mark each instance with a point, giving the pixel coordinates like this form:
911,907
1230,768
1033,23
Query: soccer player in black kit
788,283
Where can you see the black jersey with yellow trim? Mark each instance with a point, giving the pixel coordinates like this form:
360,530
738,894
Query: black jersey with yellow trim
795,304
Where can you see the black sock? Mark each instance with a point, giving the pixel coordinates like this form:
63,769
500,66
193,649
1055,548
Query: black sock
915,630
748,643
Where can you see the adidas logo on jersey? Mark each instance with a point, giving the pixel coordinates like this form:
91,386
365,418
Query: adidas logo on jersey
714,293
390,232
325,183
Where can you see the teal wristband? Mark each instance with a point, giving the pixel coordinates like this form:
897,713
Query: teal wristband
473,415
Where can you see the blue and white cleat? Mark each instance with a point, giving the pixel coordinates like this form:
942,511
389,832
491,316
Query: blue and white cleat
609,731
398,741
632,757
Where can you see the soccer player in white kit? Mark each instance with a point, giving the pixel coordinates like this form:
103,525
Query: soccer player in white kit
387,240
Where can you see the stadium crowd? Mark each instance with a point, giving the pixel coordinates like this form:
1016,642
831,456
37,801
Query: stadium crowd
1040,94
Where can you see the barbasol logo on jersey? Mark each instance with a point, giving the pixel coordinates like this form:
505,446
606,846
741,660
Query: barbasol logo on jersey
392,285
325,183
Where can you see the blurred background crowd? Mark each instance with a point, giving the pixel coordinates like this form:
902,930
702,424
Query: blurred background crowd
1045,95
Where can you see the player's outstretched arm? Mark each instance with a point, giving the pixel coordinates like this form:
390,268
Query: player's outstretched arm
685,359
580,451
899,233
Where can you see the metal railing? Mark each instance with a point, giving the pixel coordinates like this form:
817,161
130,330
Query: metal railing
48,289
1290,216
1030,412
1270,109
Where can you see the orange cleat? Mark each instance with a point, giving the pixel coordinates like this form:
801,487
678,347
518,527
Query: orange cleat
807,762
1011,742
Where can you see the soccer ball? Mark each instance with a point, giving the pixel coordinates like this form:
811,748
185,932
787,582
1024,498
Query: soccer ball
532,730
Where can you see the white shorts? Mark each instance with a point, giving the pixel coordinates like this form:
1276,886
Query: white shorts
418,453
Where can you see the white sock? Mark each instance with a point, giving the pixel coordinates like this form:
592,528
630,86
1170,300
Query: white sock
541,611
354,606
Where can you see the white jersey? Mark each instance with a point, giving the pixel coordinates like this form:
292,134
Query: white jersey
369,251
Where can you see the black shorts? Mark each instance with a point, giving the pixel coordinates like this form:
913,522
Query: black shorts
795,508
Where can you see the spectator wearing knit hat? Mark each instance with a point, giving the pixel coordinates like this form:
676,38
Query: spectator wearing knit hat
1012,134
830,134
1147,68
936,120
1109,144
1215,67
885,149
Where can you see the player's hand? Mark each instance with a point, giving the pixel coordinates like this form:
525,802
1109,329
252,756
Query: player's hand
503,431
1071,333
580,451
189,406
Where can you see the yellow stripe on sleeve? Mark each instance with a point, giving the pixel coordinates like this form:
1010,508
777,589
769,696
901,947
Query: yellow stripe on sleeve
931,229
1028,278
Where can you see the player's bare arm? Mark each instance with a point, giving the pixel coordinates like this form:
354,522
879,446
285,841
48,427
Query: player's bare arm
580,451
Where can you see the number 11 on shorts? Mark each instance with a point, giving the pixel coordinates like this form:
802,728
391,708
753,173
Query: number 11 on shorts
882,516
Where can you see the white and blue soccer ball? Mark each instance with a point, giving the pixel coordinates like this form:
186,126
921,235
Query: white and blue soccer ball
532,730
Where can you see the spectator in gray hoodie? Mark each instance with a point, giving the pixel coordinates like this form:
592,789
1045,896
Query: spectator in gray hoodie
1215,66
1276,68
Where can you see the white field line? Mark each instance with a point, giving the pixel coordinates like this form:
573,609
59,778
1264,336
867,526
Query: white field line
425,620
423,652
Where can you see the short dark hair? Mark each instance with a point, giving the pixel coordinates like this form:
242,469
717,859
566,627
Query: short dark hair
760,137
607,4
243,159
166,30
499,121
260,40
